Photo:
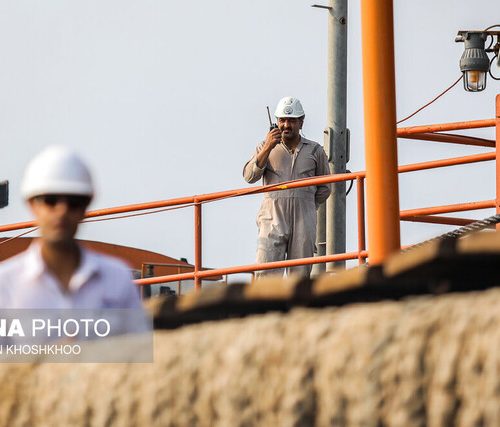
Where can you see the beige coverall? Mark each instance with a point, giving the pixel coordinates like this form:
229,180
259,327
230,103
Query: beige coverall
287,219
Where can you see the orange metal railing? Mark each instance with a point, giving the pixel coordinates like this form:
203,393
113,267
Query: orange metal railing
426,214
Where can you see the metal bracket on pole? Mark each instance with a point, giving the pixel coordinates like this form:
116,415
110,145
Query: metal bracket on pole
336,146
342,19
320,6
328,143
337,152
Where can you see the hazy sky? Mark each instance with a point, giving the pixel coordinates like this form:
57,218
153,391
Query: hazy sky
167,99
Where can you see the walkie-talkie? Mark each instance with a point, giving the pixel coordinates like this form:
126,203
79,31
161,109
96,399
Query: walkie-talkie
271,124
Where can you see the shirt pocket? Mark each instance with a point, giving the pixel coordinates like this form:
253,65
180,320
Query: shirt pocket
306,167
273,170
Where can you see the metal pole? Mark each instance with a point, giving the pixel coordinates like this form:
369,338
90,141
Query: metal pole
336,133
379,95
331,216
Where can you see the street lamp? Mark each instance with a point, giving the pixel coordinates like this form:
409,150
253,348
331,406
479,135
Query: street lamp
475,62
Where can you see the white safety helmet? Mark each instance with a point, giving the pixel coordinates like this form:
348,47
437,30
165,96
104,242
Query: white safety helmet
289,107
57,170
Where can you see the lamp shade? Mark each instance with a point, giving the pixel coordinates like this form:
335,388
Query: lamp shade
474,62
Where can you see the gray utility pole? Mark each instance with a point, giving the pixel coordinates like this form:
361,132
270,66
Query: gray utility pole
332,219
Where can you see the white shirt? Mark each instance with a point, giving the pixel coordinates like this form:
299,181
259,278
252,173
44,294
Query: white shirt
99,282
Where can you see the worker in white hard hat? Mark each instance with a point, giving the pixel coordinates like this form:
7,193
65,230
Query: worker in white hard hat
287,219
55,271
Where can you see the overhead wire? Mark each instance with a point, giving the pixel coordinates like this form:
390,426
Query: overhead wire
489,70
430,102
491,42
18,235
172,208
491,26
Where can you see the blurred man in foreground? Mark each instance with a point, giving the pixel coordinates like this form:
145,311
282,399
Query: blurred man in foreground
55,271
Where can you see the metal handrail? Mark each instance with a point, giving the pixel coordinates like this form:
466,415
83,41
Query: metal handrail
198,200
326,179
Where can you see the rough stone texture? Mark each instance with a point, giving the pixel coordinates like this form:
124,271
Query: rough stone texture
426,361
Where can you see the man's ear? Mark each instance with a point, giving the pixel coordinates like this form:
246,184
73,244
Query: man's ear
301,121
31,203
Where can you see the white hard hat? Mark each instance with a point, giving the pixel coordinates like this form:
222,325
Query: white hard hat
289,107
56,170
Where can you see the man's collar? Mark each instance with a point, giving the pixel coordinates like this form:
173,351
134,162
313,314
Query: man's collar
35,267
303,140
89,266
298,146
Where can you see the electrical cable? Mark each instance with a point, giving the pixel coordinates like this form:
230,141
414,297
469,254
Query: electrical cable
85,221
491,42
489,69
430,102
351,184
491,26
19,235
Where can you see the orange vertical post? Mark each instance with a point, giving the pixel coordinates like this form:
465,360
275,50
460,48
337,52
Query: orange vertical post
197,244
497,124
380,129
360,185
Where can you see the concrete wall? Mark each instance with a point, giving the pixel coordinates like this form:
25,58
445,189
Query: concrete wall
426,361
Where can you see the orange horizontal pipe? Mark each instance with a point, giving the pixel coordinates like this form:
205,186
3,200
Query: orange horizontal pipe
453,161
249,268
445,127
17,226
256,190
435,219
453,139
140,206
459,207
164,279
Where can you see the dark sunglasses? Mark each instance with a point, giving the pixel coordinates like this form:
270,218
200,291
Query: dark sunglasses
73,202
